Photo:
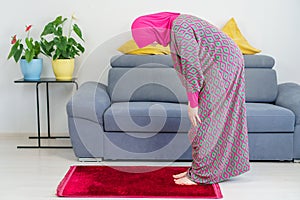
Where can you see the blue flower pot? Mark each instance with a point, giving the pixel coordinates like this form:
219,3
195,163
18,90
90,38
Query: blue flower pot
32,70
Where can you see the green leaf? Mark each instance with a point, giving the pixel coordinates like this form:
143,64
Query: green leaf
29,43
46,47
18,53
37,49
56,40
29,54
50,46
55,56
80,47
48,29
77,30
13,49
71,41
44,50
62,43
59,31
65,54
58,21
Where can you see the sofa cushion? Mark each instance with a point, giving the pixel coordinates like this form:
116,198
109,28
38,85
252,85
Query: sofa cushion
264,117
260,78
261,85
259,61
129,61
146,117
145,84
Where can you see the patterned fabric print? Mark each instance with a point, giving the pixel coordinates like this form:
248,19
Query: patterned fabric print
209,62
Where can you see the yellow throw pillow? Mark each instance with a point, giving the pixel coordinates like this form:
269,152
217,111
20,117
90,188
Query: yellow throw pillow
232,30
130,47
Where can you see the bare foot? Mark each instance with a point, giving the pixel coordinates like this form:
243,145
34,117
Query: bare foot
184,181
179,175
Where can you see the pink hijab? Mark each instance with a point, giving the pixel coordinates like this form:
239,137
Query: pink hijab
153,28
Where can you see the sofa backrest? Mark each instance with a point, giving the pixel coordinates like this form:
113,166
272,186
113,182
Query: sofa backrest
260,78
145,84
152,78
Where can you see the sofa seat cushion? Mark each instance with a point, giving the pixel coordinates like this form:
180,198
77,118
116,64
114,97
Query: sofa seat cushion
264,117
146,117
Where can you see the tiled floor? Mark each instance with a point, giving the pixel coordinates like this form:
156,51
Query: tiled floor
34,174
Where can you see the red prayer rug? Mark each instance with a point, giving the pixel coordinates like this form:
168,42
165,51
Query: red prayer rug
130,182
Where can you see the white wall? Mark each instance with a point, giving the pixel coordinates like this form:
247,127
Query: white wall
270,25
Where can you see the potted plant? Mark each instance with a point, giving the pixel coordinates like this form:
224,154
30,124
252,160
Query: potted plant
60,47
31,65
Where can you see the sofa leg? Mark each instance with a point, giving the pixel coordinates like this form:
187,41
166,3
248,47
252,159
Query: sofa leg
90,159
297,160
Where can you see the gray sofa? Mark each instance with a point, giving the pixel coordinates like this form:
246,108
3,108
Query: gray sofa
142,113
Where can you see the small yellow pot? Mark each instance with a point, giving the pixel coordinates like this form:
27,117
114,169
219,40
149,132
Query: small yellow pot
63,68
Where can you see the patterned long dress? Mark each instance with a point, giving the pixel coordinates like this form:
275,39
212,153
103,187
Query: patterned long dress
210,63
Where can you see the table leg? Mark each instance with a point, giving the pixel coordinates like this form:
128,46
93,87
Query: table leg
48,114
48,119
38,120
38,114
39,137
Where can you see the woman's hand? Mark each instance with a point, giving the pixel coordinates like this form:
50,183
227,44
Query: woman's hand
193,115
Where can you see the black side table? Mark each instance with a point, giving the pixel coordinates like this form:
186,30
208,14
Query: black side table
39,137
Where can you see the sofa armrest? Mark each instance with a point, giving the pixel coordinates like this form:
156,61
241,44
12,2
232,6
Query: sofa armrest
89,102
289,97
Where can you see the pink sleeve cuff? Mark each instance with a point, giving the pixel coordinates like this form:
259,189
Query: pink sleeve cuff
193,98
